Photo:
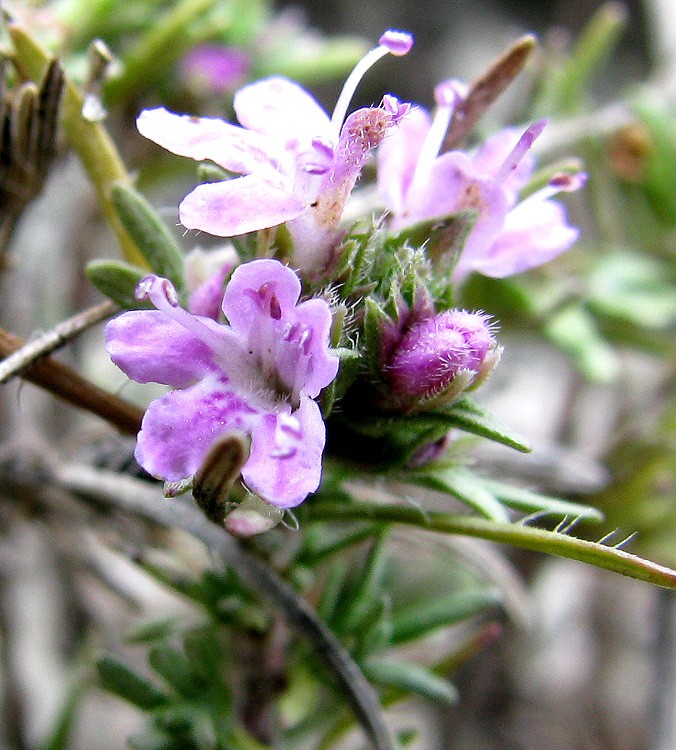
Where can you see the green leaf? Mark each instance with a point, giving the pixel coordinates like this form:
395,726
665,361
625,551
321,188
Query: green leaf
358,604
411,678
155,630
516,534
574,330
423,617
461,484
175,670
522,499
634,288
118,281
147,230
118,678
466,414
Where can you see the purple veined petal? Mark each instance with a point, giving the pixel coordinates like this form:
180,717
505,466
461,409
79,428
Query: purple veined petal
234,207
149,347
398,155
178,428
230,146
531,237
285,464
262,287
314,320
282,109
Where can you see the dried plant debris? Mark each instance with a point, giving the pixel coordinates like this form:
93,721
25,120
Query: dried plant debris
29,119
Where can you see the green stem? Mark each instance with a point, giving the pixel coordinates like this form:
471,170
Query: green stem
90,140
518,535
157,50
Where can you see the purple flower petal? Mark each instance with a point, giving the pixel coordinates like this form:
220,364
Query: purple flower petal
248,376
398,155
233,148
281,108
233,207
285,464
179,428
532,235
150,348
251,290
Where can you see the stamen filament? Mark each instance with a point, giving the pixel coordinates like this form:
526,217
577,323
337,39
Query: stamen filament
396,43
519,151
446,95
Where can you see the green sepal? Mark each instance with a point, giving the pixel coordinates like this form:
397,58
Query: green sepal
376,322
423,617
462,484
153,238
390,442
118,280
410,678
117,678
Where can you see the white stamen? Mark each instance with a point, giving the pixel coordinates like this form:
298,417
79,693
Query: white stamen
388,45
447,95
162,294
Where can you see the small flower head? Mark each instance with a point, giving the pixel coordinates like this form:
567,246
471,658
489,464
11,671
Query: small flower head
257,376
439,358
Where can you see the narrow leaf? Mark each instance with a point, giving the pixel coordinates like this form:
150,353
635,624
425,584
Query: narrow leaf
153,238
469,416
410,678
462,484
117,678
117,281
421,618
518,535
522,499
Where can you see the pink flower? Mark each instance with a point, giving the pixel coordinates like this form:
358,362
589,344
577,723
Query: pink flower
509,236
298,164
259,376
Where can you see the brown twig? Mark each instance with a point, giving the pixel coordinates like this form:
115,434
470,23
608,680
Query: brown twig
57,337
68,385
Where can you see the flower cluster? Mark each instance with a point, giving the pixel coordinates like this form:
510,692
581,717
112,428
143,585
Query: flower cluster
249,387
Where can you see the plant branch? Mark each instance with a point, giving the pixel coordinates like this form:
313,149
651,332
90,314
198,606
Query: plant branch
48,342
137,497
68,385
515,534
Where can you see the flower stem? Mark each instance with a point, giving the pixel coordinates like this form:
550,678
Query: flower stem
48,342
518,535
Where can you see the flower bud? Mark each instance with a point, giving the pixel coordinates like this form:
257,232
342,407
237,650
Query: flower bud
253,516
439,358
